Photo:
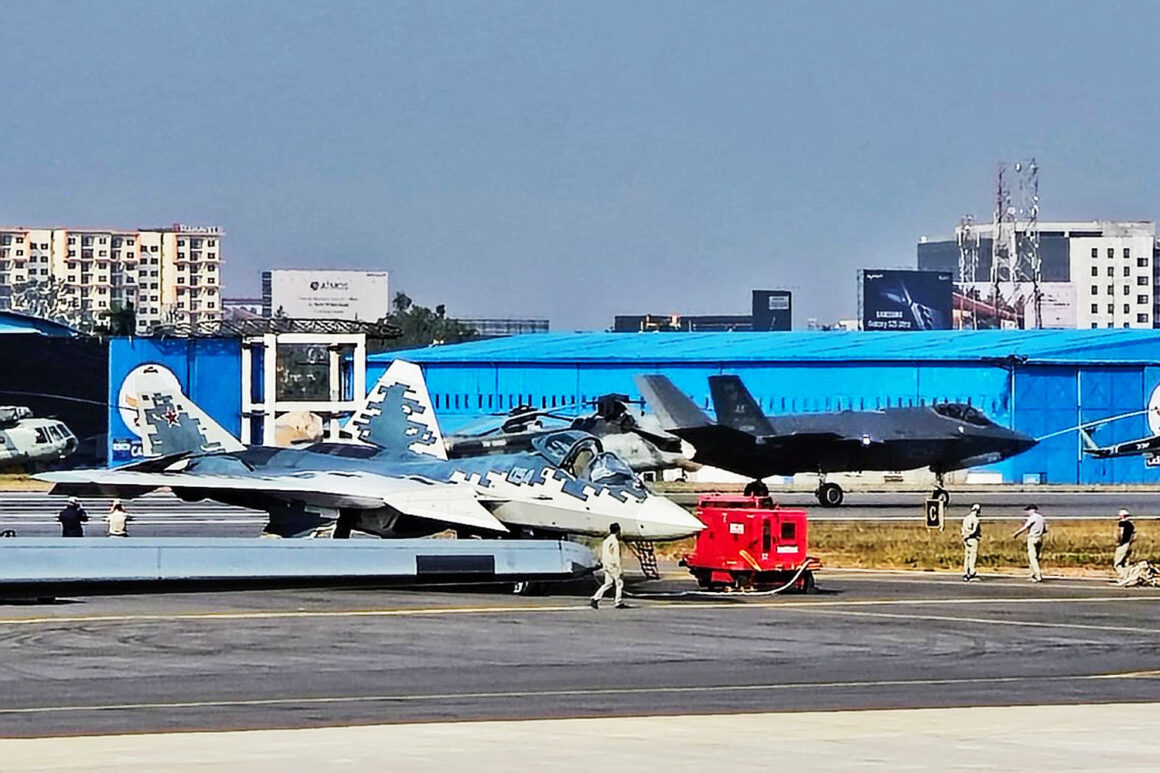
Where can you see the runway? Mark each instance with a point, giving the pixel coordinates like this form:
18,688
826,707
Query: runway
319,658
160,514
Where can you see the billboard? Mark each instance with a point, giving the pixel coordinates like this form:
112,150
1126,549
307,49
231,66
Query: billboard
900,299
326,294
772,310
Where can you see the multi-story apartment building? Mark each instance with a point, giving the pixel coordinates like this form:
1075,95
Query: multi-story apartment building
168,275
1095,274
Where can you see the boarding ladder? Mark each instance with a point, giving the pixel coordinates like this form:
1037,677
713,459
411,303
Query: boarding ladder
646,554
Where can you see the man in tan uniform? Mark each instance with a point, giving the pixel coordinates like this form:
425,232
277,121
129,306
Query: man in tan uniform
1125,536
972,532
1036,527
613,572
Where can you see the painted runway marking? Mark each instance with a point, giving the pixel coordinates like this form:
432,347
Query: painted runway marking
991,621
578,692
545,609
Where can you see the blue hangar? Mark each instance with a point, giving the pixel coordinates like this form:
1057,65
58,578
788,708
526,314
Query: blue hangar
1036,381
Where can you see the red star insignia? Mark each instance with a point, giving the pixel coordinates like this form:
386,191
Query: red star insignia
170,416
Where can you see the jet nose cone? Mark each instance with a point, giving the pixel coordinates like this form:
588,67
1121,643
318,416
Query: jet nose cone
1024,442
662,519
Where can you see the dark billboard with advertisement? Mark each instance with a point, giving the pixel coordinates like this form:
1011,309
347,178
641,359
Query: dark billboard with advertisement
897,299
772,310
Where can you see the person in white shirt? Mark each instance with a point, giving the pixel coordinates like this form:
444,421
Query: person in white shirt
1036,528
118,520
613,572
972,532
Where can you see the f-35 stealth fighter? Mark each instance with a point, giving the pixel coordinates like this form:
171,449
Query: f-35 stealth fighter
943,437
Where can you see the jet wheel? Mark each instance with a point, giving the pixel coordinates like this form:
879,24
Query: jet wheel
830,495
942,495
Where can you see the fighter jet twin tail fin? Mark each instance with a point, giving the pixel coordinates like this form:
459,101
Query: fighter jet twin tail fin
396,415
171,423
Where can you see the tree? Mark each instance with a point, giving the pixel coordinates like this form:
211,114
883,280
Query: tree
422,326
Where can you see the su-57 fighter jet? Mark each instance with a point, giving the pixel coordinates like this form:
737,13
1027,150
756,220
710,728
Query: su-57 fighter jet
394,481
943,437
24,439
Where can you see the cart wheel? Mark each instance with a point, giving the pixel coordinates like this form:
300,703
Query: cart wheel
808,583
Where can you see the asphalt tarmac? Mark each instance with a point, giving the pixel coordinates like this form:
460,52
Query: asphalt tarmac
318,658
160,514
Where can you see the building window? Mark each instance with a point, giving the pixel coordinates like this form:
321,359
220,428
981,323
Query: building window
1095,308
130,241
1111,289
1141,299
1095,290
153,248
1142,318
1095,252
103,253
1111,252
1127,289
1111,271
1127,252
1127,270
1142,262
1141,280
43,246
1127,309
1111,308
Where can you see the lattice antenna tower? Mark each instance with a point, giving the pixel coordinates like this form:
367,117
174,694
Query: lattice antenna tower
1004,250
1028,262
968,239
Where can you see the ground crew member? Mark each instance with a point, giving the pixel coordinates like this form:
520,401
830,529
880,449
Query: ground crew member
71,518
972,531
613,573
118,520
756,488
1036,527
1125,536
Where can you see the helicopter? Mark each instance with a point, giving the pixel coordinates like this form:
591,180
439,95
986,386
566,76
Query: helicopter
634,436
27,440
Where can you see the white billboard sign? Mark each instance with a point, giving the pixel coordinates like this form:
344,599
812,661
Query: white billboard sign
330,294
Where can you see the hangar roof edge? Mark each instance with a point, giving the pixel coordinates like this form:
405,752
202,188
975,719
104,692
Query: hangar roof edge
1044,346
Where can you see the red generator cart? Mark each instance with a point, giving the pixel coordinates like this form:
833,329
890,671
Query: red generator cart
750,543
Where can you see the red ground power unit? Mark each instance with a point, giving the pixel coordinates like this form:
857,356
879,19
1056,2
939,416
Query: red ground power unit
751,543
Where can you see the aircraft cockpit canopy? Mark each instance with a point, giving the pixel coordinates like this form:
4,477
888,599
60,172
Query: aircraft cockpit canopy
557,447
583,456
961,412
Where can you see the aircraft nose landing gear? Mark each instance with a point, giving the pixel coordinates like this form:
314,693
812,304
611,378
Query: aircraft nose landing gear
940,493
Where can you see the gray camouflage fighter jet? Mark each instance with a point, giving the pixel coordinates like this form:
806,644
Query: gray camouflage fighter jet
943,437
394,481
25,440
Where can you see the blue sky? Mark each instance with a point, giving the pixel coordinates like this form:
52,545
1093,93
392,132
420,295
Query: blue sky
574,160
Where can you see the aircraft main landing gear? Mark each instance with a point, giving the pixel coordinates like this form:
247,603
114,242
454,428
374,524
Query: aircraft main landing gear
940,493
829,494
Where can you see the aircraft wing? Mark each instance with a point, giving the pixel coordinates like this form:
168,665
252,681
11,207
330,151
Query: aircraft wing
808,442
453,503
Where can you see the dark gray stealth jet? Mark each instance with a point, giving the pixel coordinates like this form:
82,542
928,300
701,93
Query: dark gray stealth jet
943,437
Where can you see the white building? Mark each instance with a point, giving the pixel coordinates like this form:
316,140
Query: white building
1094,273
168,275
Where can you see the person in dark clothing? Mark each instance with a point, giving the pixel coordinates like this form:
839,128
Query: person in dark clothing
71,519
756,488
